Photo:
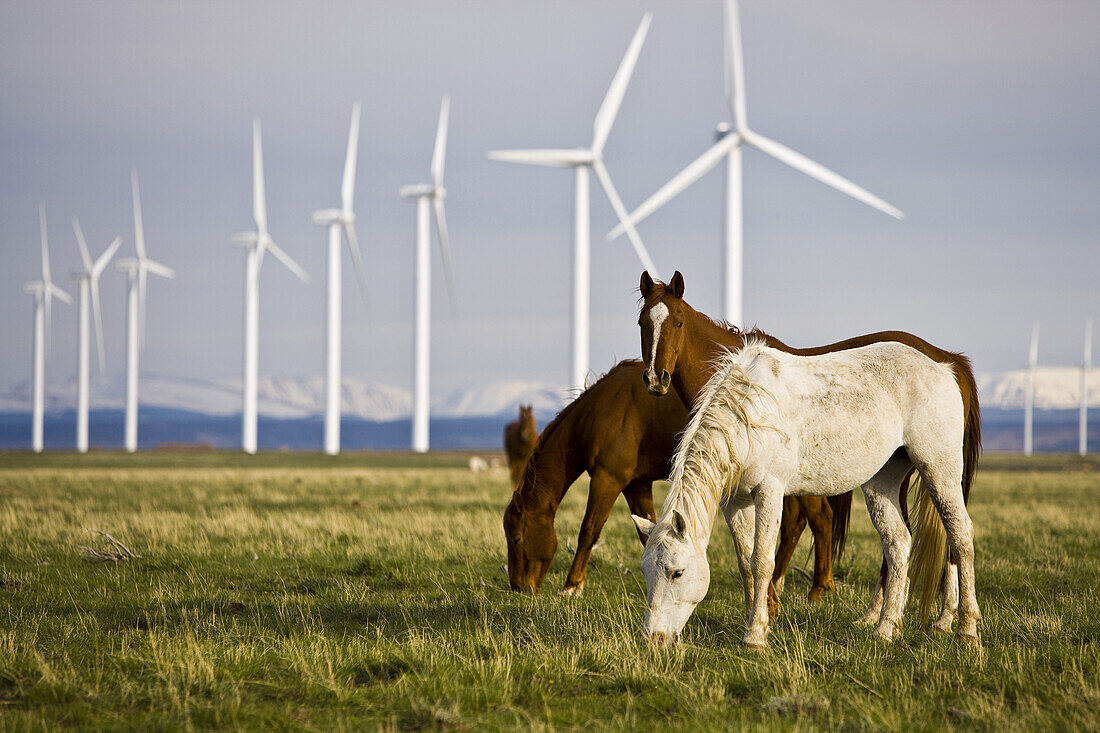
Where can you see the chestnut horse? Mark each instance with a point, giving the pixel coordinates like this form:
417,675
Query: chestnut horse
680,347
624,438
519,440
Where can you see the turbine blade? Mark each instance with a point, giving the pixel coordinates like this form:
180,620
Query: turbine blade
287,261
259,195
815,170
620,211
557,158
357,262
605,118
445,249
695,170
734,66
101,263
98,319
139,230
1033,350
45,244
440,151
83,245
347,188
61,294
158,269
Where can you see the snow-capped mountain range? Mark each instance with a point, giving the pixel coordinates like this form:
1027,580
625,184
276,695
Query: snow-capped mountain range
1056,388
297,397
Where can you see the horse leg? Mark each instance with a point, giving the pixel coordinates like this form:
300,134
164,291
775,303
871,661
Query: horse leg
639,497
790,530
943,478
820,516
949,588
740,513
883,504
602,492
769,509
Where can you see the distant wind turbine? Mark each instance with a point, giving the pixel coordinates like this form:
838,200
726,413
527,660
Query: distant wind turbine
88,280
428,194
256,244
43,291
1029,395
1086,367
581,160
137,270
728,146
335,220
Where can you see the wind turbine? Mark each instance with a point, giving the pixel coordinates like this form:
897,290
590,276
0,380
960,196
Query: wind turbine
1086,367
428,194
335,220
43,291
581,160
137,270
88,280
730,139
1029,394
256,244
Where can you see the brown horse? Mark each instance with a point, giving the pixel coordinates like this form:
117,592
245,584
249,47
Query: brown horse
624,438
519,440
679,345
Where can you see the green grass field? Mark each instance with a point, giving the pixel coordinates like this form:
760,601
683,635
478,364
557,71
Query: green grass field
291,591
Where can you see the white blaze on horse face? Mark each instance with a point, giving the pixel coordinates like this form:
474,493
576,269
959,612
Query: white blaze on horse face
677,577
657,315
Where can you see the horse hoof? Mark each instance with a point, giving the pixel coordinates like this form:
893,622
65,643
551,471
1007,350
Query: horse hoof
941,628
970,640
573,591
754,647
866,619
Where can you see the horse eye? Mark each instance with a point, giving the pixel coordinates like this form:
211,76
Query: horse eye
680,324
677,574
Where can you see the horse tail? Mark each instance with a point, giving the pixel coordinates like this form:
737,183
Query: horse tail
841,505
929,547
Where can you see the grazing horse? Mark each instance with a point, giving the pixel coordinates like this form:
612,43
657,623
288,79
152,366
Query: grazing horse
624,438
770,424
519,440
680,346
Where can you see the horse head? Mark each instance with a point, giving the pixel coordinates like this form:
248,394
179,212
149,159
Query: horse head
677,576
662,324
532,543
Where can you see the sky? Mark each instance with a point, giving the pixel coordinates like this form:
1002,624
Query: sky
980,120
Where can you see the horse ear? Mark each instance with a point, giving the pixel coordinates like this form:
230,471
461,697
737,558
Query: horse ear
679,524
646,286
645,527
676,285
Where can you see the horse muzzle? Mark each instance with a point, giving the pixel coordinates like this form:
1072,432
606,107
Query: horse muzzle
660,639
655,387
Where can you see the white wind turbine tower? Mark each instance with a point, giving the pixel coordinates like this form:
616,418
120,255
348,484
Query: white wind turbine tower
428,194
581,160
88,280
1086,367
728,146
335,220
1029,393
43,291
137,270
256,244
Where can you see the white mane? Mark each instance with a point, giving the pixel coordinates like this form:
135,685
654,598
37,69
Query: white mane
724,422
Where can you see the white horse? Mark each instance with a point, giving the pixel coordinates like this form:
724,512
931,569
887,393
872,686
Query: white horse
770,424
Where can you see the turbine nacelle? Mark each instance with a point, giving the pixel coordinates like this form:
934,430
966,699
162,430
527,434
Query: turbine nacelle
324,217
418,190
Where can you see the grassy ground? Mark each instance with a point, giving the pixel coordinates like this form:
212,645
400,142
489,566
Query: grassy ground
298,591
